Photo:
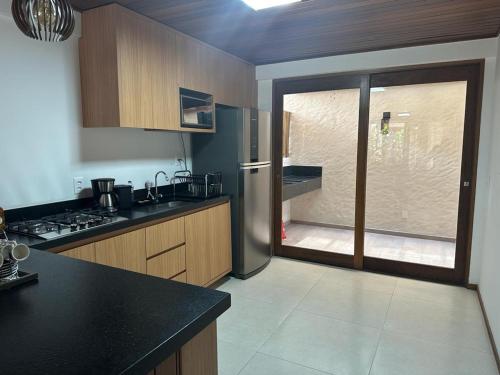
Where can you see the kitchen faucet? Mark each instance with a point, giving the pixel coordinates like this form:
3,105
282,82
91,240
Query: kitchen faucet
158,195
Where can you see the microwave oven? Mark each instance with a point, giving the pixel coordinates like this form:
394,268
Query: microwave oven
197,109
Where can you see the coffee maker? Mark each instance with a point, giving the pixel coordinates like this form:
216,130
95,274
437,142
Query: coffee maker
104,194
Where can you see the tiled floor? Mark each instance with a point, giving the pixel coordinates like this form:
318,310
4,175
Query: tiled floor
297,318
406,249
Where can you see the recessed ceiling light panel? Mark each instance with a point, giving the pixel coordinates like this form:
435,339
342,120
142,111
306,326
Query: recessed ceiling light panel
263,4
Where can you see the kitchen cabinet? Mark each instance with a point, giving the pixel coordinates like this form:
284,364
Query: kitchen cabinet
132,68
198,248
127,71
193,63
220,240
126,251
194,249
168,264
86,252
164,236
182,278
199,355
202,68
168,367
208,245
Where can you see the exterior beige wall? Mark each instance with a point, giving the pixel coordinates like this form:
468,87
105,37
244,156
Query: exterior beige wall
413,175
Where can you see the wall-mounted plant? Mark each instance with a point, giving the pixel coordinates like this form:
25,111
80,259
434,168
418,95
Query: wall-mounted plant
386,118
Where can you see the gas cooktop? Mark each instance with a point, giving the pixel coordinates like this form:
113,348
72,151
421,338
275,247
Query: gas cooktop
64,224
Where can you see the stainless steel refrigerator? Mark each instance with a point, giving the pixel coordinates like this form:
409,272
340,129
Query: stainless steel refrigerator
241,150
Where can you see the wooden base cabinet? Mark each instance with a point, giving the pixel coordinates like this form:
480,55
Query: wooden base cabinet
208,245
197,357
127,251
194,249
86,252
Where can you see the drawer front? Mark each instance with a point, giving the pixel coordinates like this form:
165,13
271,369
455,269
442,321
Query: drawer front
182,278
164,236
168,264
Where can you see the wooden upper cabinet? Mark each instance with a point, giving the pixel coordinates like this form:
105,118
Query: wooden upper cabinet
202,68
128,71
165,98
192,60
132,67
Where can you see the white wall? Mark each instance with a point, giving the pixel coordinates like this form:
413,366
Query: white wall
489,276
42,142
476,49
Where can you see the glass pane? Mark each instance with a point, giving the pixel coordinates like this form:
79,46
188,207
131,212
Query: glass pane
413,174
319,174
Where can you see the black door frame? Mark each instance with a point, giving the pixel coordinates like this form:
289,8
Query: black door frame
470,71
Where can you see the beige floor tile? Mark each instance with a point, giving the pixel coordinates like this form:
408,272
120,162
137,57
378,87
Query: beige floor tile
304,318
347,303
403,355
441,294
324,344
359,280
232,357
462,328
262,364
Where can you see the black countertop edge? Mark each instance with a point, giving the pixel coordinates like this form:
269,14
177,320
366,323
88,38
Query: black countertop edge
302,170
165,350
292,190
136,216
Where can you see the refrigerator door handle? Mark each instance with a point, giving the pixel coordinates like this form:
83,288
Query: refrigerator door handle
254,166
259,164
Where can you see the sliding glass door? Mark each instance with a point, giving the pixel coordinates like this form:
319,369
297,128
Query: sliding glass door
319,170
377,171
421,158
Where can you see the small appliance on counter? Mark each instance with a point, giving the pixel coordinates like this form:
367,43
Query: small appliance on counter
103,189
125,195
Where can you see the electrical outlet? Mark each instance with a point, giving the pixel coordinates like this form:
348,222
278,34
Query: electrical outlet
77,184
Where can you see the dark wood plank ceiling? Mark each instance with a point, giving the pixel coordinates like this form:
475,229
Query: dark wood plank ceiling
315,28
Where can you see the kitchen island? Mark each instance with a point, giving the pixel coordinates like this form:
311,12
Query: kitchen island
85,318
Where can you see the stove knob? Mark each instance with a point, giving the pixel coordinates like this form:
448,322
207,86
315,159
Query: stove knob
98,221
74,227
83,225
91,223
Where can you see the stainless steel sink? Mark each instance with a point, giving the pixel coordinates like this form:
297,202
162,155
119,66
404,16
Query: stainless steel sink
152,207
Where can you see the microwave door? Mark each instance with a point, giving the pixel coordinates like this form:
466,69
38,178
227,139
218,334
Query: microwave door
196,112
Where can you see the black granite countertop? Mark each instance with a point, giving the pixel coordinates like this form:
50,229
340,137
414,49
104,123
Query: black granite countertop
85,318
136,216
298,180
